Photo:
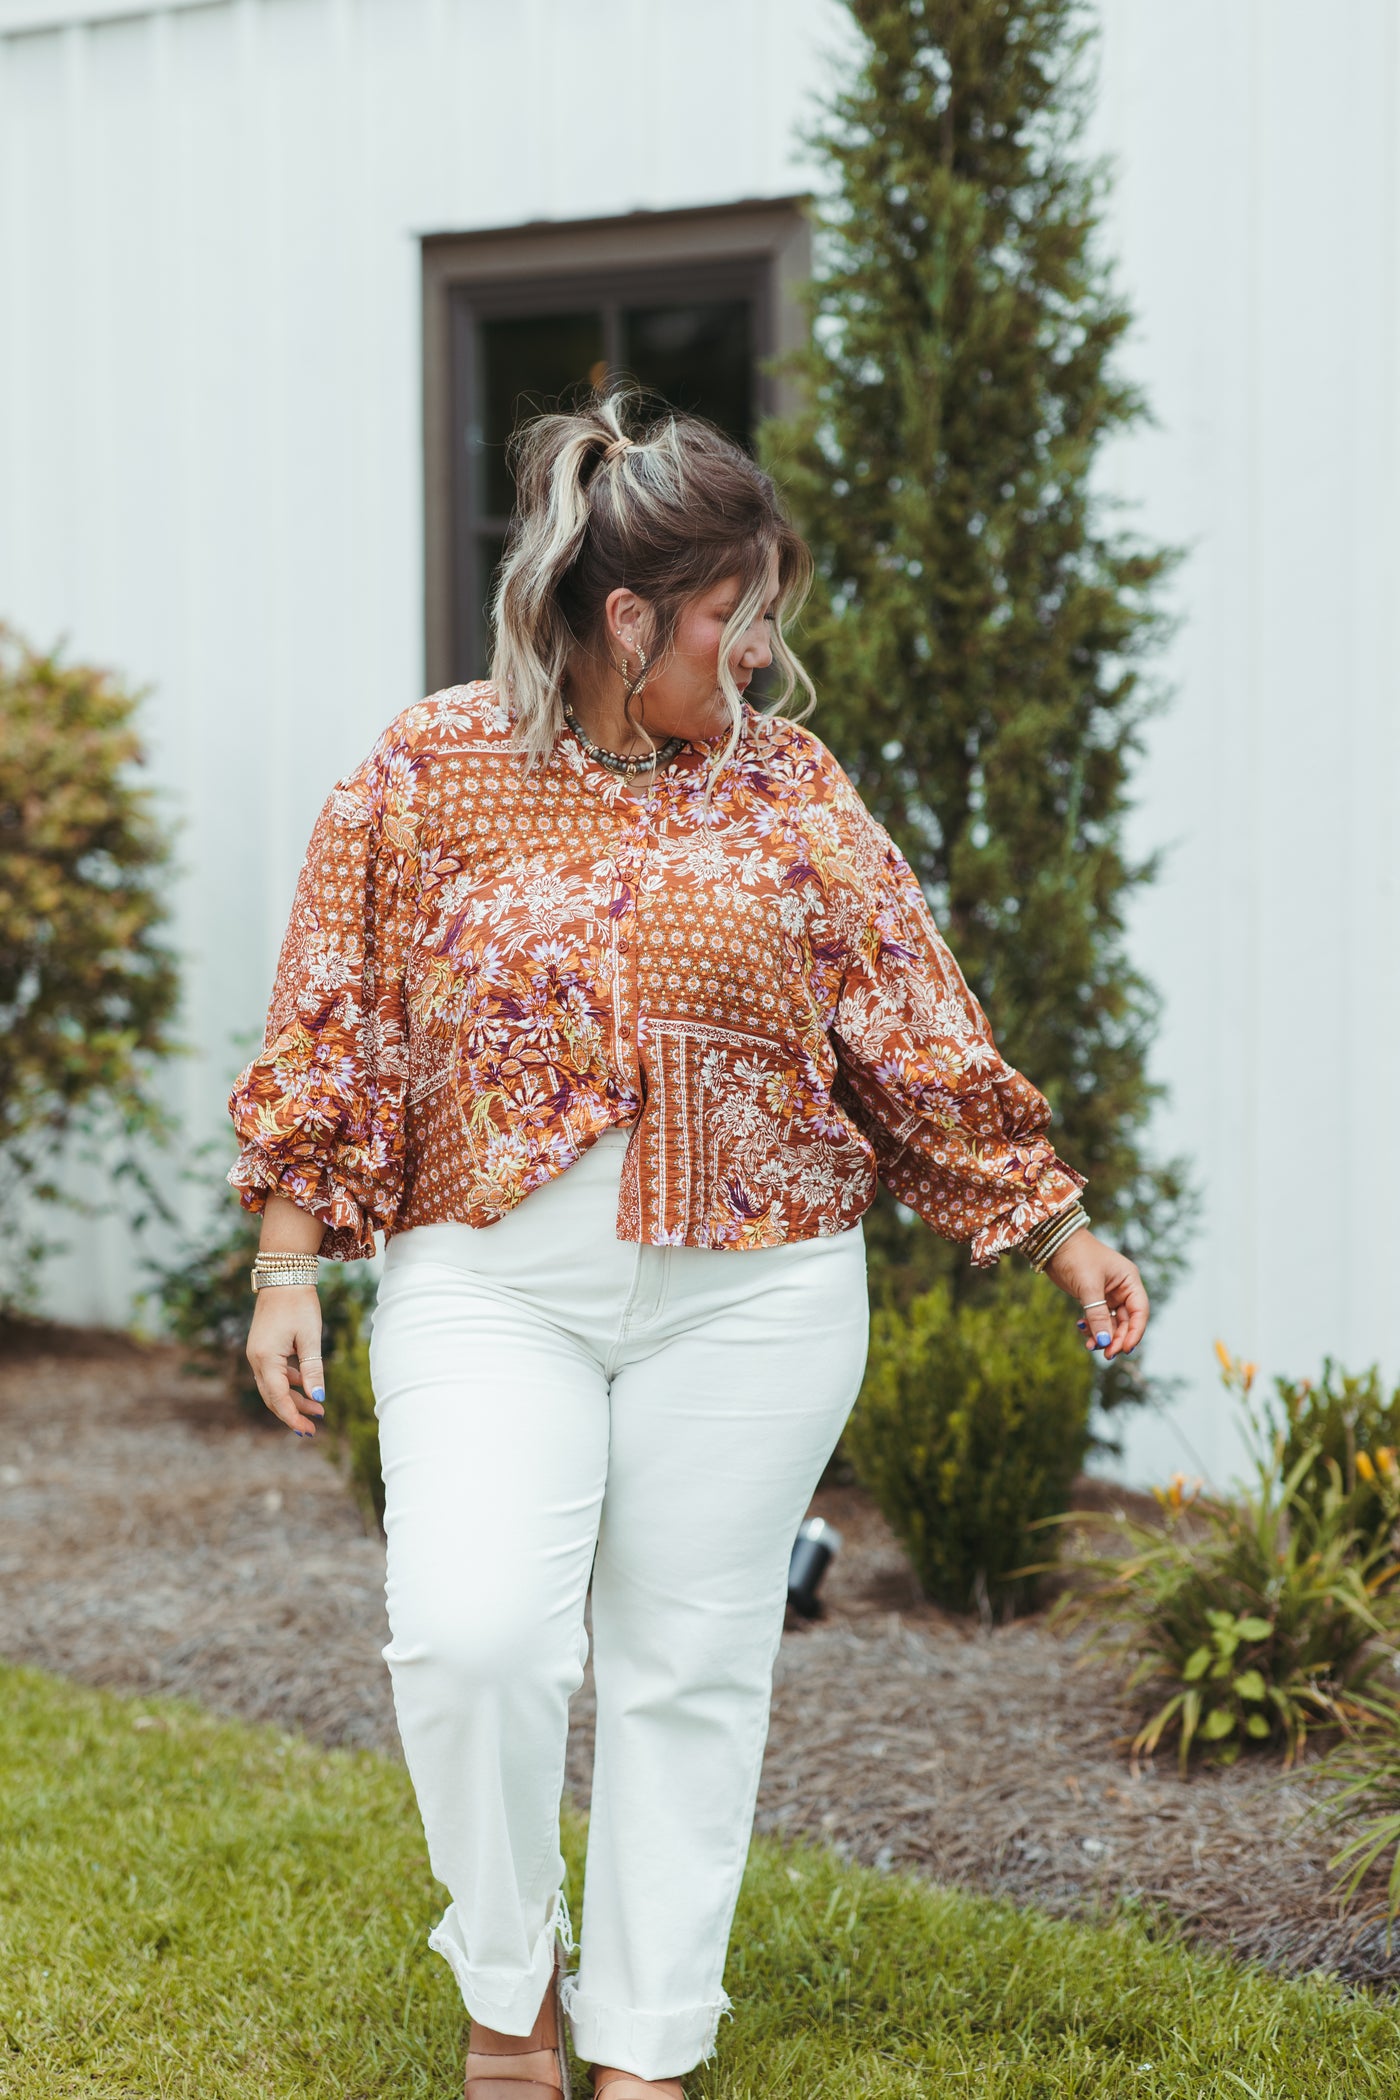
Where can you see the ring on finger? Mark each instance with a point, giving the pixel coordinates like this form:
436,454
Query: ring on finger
1093,1302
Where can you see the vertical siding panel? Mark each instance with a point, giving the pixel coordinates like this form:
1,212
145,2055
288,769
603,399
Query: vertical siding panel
398,60
1370,743
16,344
38,283
493,119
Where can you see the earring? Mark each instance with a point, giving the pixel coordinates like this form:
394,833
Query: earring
643,672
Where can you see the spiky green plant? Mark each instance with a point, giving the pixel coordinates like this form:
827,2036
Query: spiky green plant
1246,1621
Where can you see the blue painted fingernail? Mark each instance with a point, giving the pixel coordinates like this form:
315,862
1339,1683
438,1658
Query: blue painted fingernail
1082,1325
1103,1340
318,1392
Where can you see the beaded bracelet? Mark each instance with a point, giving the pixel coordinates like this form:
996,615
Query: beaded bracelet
279,1268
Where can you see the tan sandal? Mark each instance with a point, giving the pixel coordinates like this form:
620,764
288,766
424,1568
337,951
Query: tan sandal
537,2070
625,2085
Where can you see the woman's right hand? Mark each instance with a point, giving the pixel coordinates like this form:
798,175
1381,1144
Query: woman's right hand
284,1350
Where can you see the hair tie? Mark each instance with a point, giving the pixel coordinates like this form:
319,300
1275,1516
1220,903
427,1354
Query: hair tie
616,449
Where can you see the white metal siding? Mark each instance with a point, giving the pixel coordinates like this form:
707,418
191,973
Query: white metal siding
210,477
1257,218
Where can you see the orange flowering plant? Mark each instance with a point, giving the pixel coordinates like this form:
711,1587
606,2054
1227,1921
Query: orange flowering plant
1351,1422
1248,1620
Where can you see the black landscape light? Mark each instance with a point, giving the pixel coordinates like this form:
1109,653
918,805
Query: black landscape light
817,1546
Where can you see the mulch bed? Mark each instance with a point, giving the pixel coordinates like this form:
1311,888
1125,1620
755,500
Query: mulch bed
153,1540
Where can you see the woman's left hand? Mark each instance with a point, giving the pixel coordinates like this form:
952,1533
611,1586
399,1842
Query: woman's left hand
1108,1288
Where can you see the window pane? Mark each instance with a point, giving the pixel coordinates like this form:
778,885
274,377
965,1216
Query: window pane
698,356
528,363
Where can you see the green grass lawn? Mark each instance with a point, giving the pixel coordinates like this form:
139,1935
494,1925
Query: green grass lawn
193,1908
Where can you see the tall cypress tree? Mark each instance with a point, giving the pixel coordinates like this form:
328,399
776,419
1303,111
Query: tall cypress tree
978,628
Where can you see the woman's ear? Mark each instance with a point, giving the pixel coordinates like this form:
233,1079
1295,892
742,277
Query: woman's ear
625,616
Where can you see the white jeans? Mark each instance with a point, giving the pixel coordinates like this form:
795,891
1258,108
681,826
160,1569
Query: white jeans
555,1403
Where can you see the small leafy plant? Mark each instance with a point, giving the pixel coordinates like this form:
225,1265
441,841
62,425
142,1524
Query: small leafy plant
1249,1621
970,1428
1367,1763
1217,1662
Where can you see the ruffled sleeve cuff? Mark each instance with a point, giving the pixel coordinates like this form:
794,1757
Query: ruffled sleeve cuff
1053,1187
314,1187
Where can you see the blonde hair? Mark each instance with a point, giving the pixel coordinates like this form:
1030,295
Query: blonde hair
667,508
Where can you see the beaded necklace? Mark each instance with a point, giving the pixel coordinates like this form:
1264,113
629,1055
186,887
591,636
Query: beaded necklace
615,761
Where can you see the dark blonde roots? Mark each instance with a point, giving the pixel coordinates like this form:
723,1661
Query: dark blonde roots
667,508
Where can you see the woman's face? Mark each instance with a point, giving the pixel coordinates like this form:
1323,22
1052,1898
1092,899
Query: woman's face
682,697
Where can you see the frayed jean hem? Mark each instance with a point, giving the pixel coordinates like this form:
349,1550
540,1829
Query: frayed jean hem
648,2044
506,1999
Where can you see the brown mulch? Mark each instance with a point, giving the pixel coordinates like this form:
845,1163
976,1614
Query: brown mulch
153,1540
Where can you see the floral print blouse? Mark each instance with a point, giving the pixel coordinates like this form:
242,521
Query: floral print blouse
487,967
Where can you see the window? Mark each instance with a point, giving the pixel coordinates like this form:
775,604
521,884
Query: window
688,303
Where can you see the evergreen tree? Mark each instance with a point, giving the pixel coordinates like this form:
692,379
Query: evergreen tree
977,630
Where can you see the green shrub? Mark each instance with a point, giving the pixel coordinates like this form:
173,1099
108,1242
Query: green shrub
1246,1621
1349,1422
970,1428
208,1305
87,988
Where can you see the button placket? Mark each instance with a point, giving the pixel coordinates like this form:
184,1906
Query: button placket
631,857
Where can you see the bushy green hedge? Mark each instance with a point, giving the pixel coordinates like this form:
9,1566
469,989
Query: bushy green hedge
970,1428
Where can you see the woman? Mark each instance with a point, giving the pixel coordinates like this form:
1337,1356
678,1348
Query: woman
606,1000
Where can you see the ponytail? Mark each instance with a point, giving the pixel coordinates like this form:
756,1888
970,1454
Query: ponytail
668,510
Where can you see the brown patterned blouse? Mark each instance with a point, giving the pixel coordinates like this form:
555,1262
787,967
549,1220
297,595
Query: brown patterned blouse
486,968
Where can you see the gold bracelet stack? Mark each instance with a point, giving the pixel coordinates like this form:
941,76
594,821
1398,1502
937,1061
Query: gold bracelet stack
285,1268
1047,1238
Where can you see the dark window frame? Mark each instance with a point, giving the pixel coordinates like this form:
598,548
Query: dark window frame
758,250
